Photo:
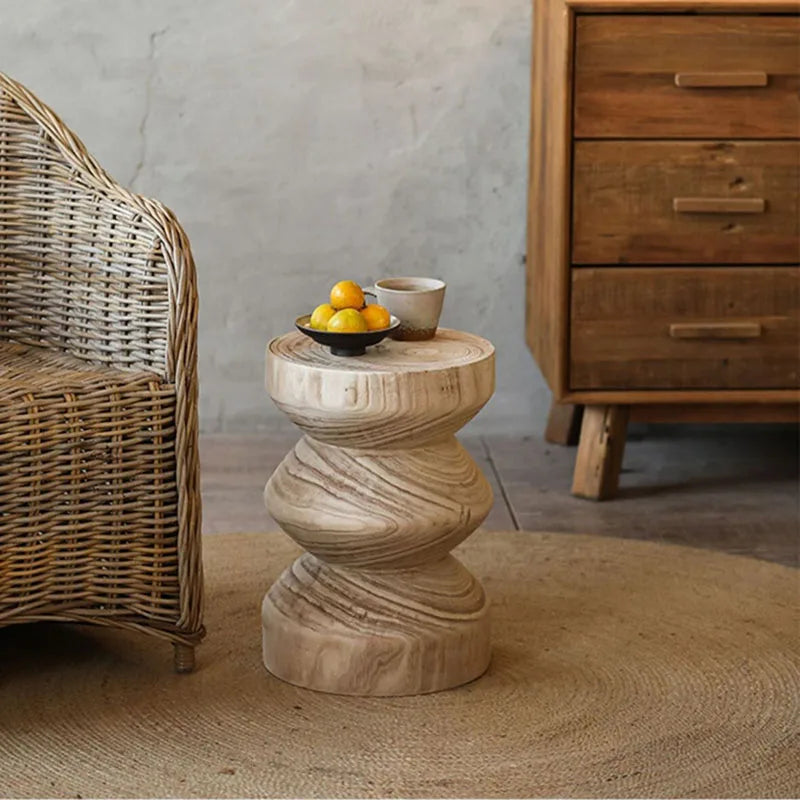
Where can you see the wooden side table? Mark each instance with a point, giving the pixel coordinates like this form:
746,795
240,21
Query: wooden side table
378,492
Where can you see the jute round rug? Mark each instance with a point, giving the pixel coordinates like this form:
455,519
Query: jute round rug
620,668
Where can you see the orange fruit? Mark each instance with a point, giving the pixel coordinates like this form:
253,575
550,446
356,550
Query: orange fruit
321,316
347,294
348,320
377,317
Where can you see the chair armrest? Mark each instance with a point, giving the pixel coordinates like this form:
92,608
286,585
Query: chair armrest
88,267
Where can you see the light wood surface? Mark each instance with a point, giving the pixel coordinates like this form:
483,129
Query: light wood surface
400,394
378,491
382,508
600,452
548,203
387,633
628,63
622,321
234,466
649,202
675,478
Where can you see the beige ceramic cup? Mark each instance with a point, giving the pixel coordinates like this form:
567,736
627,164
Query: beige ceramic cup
416,302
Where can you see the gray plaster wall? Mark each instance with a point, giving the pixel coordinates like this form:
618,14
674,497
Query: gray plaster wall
304,141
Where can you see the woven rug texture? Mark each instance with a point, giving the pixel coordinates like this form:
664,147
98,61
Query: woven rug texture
620,669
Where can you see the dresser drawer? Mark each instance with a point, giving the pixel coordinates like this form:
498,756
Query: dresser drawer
684,76
684,328
687,202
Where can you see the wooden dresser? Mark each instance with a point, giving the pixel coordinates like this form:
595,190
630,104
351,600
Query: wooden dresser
664,218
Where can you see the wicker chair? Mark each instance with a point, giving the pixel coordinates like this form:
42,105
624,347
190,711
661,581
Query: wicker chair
99,495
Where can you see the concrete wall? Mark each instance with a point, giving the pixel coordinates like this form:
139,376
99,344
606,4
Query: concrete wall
303,141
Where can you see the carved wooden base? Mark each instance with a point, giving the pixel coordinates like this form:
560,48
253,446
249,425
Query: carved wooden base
378,492
388,611
394,632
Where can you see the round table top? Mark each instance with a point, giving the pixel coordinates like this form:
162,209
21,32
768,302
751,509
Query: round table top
448,349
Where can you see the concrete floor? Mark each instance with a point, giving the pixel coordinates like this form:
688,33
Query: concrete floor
729,488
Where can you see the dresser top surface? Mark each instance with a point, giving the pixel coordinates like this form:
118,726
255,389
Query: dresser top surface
681,6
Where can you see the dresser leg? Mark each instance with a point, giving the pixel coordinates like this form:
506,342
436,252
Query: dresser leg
563,424
600,452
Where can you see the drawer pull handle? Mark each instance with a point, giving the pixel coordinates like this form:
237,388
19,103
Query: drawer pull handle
719,80
718,205
715,330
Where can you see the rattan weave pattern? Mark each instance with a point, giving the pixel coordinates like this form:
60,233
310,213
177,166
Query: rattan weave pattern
99,489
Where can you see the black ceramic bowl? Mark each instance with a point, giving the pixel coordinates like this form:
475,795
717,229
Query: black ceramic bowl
345,344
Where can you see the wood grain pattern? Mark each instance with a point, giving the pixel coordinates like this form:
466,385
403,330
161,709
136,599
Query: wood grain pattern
233,468
624,192
690,396
719,205
391,633
715,330
622,317
685,6
706,80
378,491
670,478
625,71
669,72
715,412
380,508
400,394
548,202
600,452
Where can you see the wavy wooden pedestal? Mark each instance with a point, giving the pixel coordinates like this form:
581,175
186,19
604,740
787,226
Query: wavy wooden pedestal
378,492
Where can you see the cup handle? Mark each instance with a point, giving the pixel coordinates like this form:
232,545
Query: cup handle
371,291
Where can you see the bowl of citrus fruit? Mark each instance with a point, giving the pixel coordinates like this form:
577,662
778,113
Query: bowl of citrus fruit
346,324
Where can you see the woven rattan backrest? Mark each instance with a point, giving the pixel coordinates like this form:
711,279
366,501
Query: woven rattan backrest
80,270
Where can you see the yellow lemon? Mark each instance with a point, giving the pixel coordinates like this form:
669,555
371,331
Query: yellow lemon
321,316
348,320
377,317
347,294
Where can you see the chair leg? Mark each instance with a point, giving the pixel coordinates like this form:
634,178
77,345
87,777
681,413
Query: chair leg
184,658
